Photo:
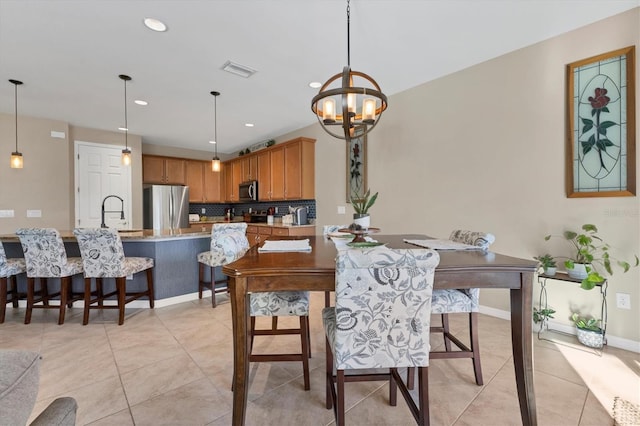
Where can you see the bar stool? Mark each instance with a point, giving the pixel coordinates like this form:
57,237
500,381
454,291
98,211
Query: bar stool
103,257
45,257
9,268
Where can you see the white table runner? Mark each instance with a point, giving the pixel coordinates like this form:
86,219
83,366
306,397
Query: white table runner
285,245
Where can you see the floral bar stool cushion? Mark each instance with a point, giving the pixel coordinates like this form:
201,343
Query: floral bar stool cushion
103,254
465,300
45,255
9,268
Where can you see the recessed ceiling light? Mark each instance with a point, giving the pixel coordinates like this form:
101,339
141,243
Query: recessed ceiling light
238,69
124,129
155,24
315,84
212,142
248,124
141,102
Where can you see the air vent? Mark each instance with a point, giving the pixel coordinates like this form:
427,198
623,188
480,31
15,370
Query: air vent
237,69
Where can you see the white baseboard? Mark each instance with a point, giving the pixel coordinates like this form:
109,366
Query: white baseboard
613,341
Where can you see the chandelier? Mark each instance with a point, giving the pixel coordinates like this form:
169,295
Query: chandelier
348,100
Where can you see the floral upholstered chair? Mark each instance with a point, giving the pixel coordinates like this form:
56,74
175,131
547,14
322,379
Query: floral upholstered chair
380,320
228,243
219,255
449,301
103,257
45,256
9,268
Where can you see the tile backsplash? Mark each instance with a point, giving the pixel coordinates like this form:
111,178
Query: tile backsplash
282,206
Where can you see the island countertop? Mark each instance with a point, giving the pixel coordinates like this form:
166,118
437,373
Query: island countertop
134,235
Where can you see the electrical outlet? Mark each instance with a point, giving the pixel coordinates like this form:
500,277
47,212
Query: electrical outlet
276,210
341,210
204,211
6,213
34,213
623,301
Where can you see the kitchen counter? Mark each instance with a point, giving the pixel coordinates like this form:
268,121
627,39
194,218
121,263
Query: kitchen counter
132,235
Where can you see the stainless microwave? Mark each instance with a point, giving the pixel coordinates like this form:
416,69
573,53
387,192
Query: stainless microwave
248,191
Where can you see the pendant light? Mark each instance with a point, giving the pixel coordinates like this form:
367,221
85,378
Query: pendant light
126,152
359,106
215,162
16,156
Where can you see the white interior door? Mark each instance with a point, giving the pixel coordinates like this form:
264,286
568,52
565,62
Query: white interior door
98,174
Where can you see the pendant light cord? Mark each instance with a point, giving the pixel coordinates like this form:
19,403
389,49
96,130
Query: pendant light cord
348,34
126,124
215,123
16,107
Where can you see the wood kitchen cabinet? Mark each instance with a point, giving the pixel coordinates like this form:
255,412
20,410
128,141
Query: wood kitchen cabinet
249,167
233,178
204,184
163,170
285,171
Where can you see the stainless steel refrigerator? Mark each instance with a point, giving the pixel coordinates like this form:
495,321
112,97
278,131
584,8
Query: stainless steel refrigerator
166,207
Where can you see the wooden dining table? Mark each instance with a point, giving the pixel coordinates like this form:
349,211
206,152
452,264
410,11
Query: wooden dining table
315,271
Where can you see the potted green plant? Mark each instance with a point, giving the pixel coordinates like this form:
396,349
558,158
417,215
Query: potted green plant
361,204
588,331
548,264
541,316
591,256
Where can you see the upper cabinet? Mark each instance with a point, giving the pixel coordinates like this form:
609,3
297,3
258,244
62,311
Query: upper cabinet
163,170
204,184
249,167
233,176
286,171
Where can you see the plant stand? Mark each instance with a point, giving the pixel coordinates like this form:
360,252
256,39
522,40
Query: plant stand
545,332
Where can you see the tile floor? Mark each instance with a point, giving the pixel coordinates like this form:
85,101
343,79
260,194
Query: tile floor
173,366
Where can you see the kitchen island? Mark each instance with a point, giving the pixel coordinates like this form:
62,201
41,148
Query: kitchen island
174,251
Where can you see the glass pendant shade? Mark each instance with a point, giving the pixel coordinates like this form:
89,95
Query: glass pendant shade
215,164
126,157
126,152
16,160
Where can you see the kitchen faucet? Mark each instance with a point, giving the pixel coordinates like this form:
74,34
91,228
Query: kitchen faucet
104,225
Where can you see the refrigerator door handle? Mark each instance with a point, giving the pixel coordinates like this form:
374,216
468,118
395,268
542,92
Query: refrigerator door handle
171,210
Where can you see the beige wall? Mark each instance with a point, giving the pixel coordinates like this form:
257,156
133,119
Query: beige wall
479,149
483,149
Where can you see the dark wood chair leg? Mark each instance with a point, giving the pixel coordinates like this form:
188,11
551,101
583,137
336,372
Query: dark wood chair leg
65,288
150,288
411,375
121,289
44,291
329,374
475,347
3,298
393,389
30,291
213,287
99,292
304,340
14,291
340,398
252,333
423,395
87,299
445,326
200,279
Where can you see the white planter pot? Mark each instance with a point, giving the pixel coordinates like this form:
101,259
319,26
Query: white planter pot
363,220
550,271
590,338
579,271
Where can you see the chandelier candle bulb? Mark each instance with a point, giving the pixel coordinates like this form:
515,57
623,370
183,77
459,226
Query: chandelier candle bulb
329,111
369,110
351,103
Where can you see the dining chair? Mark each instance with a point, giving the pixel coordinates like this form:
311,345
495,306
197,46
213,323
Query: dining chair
326,230
9,269
103,257
230,243
215,258
449,301
380,320
45,258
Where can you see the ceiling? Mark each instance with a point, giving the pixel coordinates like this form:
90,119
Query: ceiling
69,54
